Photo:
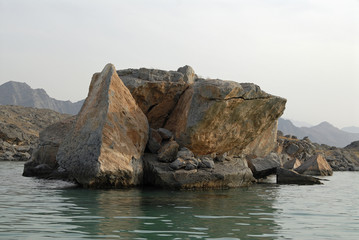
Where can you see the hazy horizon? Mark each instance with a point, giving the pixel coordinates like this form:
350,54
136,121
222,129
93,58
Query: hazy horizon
304,51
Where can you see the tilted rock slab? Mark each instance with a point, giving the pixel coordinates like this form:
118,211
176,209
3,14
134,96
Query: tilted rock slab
315,165
215,116
105,146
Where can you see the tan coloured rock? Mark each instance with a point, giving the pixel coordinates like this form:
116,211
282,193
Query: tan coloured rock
316,165
156,91
292,164
215,116
105,146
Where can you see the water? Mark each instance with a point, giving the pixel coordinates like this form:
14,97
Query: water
39,209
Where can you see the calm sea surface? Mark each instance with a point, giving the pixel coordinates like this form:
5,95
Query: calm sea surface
38,209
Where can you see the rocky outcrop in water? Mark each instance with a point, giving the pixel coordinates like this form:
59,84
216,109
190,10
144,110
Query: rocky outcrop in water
201,130
19,130
105,146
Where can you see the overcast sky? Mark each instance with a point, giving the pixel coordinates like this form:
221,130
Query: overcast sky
305,51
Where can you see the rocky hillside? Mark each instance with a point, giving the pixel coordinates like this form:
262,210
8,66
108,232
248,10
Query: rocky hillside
340,159
19,130
21,94
323,133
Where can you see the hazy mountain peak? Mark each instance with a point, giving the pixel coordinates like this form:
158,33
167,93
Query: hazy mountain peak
323,133
20,93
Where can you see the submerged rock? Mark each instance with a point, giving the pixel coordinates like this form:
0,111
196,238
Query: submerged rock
105,146
285,176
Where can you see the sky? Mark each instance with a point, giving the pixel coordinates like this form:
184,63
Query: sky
306,51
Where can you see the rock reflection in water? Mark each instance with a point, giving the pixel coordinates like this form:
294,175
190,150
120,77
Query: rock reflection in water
150,214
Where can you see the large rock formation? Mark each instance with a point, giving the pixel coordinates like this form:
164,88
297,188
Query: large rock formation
105,146
215,116
201,130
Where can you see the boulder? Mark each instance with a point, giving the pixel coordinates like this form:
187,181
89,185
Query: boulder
224,175
292,164
263,167
105,145
285,176
165,134
45,154
316,165
155,91
168,152
215,116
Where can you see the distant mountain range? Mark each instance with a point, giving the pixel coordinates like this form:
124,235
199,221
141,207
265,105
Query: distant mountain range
21,94
351,129
323,133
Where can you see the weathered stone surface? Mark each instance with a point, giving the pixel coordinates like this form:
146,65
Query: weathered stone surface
224,175
189,74
168,151
316,165
105,146
292,164
262,167
285,176
45,154
154,141
155,91
215,116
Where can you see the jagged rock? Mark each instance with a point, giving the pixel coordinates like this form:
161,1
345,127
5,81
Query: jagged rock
292,164
316,165
189,74
263,167
45,154
224,175
168,152
285,176
215,116
155,91
154,141
105,146
292,149
165,134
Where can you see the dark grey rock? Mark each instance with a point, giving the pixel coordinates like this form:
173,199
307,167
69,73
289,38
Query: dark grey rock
154,141
285,176
165,134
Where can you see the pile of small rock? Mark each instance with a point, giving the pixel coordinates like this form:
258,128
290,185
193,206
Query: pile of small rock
161,142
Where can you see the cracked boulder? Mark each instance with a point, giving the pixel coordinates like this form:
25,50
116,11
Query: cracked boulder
215,116
105,146
315,165
157,91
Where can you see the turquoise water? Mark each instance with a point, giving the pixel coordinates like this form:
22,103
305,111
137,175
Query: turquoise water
39,209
